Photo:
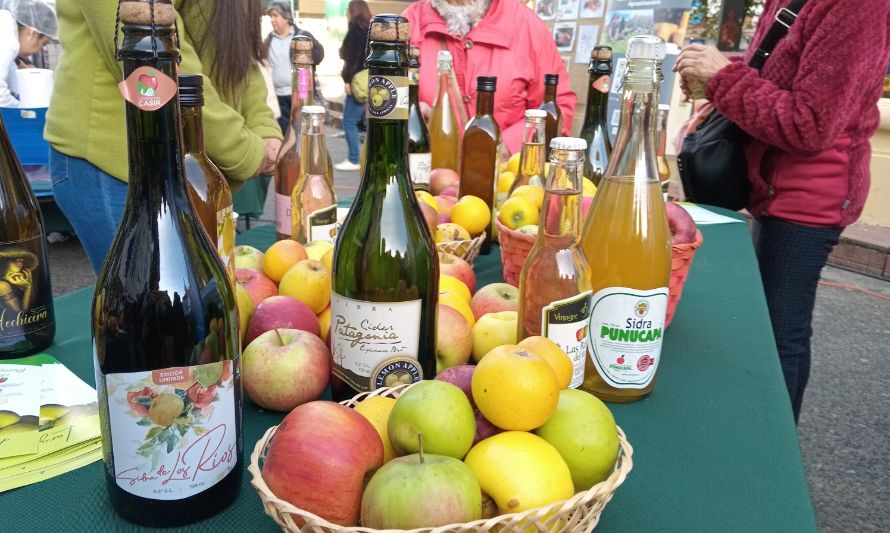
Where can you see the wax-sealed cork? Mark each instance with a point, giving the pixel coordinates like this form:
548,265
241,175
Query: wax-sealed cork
389,27
301,49
140,12
601,53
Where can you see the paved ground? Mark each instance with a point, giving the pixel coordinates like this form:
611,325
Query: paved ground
844,427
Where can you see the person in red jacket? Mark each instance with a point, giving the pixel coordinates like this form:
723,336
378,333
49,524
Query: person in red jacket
809,113
500,38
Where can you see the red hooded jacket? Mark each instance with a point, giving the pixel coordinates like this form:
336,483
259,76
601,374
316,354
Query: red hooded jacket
811,110
510,42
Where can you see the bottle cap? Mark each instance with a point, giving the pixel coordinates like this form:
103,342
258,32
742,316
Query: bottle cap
145,12
535,113
191,90
551,79
389,27
601,53
301,43
312,109
645,47
568,143
486,83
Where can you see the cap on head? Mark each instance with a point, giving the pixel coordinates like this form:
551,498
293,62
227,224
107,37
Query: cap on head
36,15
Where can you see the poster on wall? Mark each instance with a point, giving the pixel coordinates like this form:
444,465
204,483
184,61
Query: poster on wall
625,18
587,35
591,9
564,36
546,9
567,10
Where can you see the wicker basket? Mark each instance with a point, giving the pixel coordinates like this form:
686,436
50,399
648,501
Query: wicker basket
681,261
515,247
466,250
579,513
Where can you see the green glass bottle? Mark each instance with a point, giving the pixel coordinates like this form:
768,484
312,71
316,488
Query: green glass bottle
553,123
386,270
595,128
419,154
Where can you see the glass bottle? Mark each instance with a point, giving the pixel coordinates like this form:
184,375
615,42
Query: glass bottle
287,167
385,269
208,190
444,124
419,155
595,129
531,158
554,285
627,243
164,321
314,202
553,123
27,322
480,149
664,169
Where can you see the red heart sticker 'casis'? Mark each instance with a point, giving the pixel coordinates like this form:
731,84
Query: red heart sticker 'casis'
148,88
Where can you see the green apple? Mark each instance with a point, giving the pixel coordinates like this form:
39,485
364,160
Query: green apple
440,411
583,430
420,491
493,330
245,308
248,257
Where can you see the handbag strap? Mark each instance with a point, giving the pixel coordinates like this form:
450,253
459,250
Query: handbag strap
785,17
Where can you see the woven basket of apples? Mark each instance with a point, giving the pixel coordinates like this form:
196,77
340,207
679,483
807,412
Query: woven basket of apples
503,445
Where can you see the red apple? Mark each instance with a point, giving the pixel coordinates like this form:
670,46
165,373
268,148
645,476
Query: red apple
455,266
258,285
681,224
451,190
281,312
494,298
454,343
429,215
444,218
284,368
319,457
440,178
446,203
484,428
585,206
460,376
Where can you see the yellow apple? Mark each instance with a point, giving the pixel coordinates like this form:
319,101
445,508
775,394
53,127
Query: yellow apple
459,304
493,330
245,308
308,281
517,212
452,284
317,249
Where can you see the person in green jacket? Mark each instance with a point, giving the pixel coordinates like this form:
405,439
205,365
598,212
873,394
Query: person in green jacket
85,123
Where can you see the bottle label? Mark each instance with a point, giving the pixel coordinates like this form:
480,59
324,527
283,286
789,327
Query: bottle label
148,88
375,344
173,430
602,84
283,207
625,334
419,168
565,322
302,84
25,292
225,238
413,76
323,224
388,97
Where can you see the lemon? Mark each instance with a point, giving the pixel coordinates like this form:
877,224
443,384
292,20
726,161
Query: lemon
376,410
452,284
517,212
513,163
532,193
505,180
472,214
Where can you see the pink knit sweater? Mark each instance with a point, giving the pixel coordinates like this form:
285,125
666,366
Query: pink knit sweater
811,110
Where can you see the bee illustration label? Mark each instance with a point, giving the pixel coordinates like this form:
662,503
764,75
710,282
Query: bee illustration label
565,323
388,97
148,88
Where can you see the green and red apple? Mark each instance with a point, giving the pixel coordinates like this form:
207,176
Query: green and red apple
454,342
441,412
494,298
493,330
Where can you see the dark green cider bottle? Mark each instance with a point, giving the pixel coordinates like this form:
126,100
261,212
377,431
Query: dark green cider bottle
595,129
164,322
386,271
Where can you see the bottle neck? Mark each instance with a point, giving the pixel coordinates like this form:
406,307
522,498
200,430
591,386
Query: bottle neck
531,160
313,149
303,83
550,93
386,154
635,145
413,86
561,211
595,114
484,103
192,129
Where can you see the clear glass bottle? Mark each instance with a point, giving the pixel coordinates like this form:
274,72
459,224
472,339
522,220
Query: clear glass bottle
419,156
664,168
480,149
531,159
627,243
595,129
385,270
164,322
554,285
208,190
313,201
553,123
444,124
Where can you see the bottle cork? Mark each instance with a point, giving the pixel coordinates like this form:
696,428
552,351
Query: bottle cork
601,53
413,51
301,49
139,12
389,27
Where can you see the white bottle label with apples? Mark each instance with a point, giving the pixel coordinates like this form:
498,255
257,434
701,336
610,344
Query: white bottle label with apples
625,334
565,322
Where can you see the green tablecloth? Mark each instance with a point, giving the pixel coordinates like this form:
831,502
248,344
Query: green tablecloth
715,447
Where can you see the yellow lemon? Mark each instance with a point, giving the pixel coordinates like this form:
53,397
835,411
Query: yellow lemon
450,231
452,284
517,212
428,199
457,302
376,410
472,214
587,187
513,163
505,180
532,193
554,355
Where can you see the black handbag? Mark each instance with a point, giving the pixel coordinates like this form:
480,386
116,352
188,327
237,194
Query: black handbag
712,162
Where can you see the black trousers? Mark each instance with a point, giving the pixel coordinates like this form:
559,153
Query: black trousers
791,258
284,103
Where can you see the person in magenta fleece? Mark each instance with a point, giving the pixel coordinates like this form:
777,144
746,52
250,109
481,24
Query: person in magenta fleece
809,113
500,38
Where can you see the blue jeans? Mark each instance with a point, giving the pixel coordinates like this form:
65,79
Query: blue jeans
93,202
353,114
791,258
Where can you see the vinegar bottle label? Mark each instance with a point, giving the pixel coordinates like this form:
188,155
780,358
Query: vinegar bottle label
565,322
323,224
173,430
625,334
25,296
419,167
283,208
375,344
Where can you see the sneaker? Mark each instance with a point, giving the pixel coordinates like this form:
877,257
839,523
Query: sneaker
347,165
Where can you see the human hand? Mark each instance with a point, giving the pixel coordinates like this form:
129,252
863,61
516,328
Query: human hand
270,156
699,63
348,88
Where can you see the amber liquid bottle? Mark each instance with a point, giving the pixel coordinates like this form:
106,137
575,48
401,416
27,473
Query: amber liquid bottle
531,158
595,129
208,190
27,323
164,322
553,123
444,124
314,201
480,149
287,167
554,285
627,244
420,157
385,271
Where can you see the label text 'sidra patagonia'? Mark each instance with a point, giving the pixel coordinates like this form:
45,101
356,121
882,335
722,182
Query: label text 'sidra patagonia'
28,320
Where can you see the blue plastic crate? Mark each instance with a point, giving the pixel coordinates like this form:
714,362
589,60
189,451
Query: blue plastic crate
25,128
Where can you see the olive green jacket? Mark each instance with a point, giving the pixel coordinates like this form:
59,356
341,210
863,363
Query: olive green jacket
86,113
